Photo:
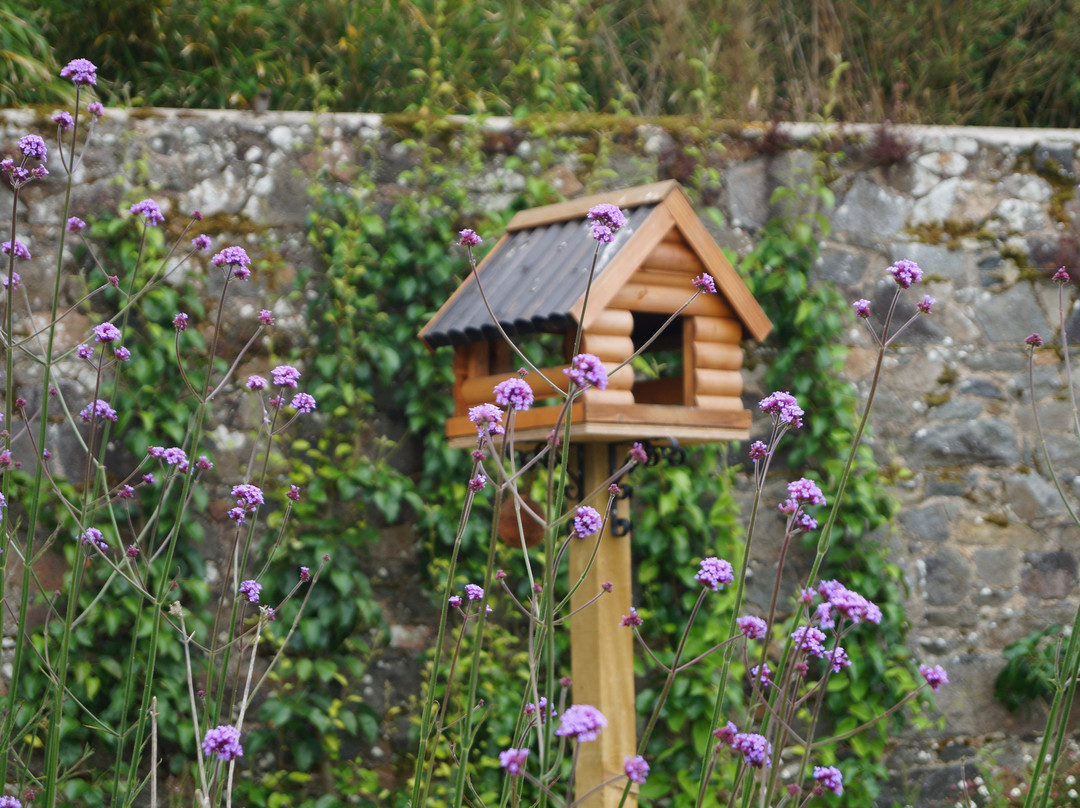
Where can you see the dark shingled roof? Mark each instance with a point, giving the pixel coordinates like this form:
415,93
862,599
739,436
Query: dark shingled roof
531,280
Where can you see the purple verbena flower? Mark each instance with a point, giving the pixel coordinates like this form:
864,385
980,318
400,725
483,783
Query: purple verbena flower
582,722
935,676
726,734
266,317
849,603
487,418
545,712
478,483
125,492
715,573
758,451
121,353
203,463
837,657
63,120
250,590
80,71
175,456
157,452
303,402
75,225
705,283
255,382
607,215
16,247
93,537
809,640
862,308
752,627
586,370
587,522
305,574
829,778
180,321
1035,341
637,770
293,493
237,258
97,109
783,407
755,749
762,674
285,375
106,332
632,619
469,238
132,551
514,394
474,592
906,273
248,496
925,304
638,453
602,234
33,146
455,601
513,760
16,280
10,802
150,212
223,741
1062,276
99,408
805,492
201,242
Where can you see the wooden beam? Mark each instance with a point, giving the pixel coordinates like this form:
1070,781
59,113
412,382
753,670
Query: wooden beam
601,651
577,208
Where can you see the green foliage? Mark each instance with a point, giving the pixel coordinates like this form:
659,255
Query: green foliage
1029,671
986,62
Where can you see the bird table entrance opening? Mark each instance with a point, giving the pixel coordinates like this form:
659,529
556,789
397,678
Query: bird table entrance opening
534,289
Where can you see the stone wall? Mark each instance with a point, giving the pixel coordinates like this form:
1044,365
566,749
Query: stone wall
989,214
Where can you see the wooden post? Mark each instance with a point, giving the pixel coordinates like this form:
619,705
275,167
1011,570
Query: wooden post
602,651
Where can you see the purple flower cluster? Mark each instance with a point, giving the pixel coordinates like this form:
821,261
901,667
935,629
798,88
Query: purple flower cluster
726,734
99,409
250,589
34,147
478,483
810,640
514,394
758,451
96,109
755,749
255,382
223,741
488,419
636,768
586,370
63,120
544,712
80,71
474,592
762,674
862,308
106,332
705,283
935,676
93,536
469,238
201,242
248,497
16,280
829,778
848,603
925,304
513,760
285,375
17,247
180,321
752,627
303,402
632,619
906,273
608,216
10,802
783,407
235,257
715,573
638,453
75,225
150,212
587,522
582,722
801,493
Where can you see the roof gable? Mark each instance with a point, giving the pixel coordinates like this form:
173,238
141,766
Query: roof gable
535,278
